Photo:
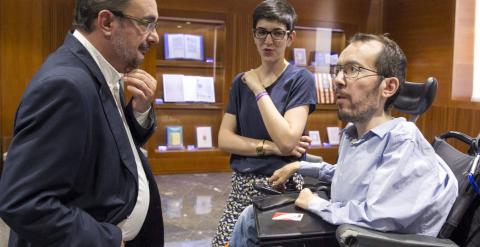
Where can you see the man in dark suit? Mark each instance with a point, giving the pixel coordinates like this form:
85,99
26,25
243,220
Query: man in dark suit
74,174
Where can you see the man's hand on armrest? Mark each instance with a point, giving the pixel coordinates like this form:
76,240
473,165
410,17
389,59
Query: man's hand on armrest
304,198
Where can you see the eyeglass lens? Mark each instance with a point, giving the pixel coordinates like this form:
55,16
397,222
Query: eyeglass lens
276,34
348,70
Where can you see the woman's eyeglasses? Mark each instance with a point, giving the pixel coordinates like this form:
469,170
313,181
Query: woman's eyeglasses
276,34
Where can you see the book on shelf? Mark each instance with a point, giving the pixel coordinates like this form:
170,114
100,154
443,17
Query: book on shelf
300,56
318,58
317,89
333,58
330,93
183,46
324,87
333,134
174,137
315,136
204,137
182,88
324,59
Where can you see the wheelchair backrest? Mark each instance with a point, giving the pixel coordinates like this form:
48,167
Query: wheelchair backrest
463,222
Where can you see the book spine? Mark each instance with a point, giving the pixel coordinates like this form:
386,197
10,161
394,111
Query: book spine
317,89
165,46
326,90
330,90
320,87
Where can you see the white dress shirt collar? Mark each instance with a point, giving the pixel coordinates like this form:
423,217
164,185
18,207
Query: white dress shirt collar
111,75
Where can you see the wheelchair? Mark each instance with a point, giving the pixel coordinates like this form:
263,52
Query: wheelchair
462,227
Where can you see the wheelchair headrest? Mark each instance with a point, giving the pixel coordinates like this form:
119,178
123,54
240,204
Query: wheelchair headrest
415,98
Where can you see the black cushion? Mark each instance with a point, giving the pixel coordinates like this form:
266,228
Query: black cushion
415,98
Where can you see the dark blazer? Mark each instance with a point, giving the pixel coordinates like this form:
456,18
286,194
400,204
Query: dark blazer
70,174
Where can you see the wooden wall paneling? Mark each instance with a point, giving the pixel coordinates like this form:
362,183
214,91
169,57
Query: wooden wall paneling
337,12
467,121
436,120
21,55
57,18
375,17
457,119
29,31
426,39
1,86
440,119
246,55
428,42
231,46
211,6
190,161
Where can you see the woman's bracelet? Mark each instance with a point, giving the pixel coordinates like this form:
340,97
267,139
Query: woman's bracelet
259,149
260,95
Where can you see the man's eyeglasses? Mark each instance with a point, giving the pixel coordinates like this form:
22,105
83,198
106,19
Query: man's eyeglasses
276,34
351,70
150,25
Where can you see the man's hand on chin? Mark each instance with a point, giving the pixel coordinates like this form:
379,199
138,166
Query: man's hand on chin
142,86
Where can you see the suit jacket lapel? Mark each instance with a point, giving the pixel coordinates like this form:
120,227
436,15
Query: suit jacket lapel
108,103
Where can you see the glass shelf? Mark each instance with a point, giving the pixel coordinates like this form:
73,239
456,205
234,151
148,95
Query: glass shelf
188,64
212,106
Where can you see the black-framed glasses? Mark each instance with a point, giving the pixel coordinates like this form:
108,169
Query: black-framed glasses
351,70
276,34
150,25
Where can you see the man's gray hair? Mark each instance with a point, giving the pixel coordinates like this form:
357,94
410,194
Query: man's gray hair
86,11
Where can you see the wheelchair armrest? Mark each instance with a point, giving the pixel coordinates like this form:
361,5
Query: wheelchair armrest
350,235
313,158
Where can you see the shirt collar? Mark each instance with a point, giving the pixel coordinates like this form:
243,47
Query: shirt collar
112,76
380,130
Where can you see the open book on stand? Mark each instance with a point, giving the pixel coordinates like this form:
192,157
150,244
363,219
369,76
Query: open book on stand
182,88
183,46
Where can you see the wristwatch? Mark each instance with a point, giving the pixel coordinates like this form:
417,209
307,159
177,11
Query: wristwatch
259,149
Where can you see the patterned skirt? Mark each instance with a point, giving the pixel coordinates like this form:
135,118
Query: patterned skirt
240,197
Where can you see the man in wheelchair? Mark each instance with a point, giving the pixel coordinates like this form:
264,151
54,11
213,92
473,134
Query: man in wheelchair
387,177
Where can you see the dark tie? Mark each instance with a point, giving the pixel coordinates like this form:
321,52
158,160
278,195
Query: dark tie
121,93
